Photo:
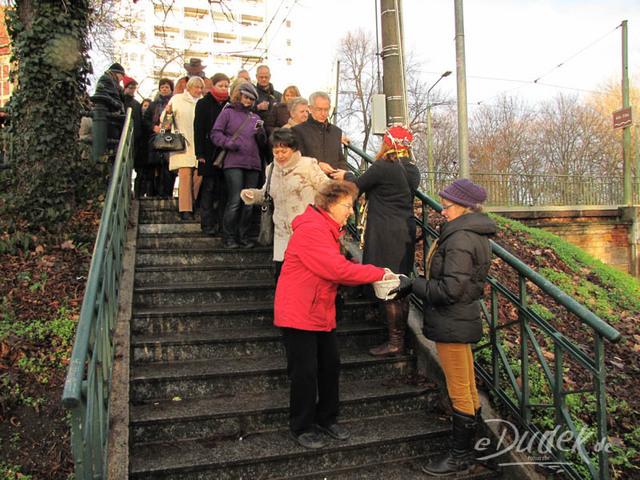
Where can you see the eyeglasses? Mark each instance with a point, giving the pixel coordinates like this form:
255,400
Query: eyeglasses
348,205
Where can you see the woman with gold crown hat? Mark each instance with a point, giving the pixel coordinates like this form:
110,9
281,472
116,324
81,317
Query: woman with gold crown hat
390,184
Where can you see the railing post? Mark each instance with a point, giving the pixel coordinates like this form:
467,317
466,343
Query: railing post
559,400
601,405
99,128
525,410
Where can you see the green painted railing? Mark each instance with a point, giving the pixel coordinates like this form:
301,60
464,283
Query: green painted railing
529,378
88,383
525,190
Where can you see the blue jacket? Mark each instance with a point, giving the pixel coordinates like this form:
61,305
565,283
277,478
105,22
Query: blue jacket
244,151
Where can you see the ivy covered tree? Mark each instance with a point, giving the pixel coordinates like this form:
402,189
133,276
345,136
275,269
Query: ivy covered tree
50,70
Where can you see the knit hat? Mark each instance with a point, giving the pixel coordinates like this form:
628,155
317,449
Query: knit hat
398,139
117,68
249,90
219,77
464,192
127,81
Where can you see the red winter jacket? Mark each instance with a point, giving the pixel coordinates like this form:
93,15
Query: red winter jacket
312,270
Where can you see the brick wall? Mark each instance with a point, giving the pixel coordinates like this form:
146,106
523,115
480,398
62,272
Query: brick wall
599,232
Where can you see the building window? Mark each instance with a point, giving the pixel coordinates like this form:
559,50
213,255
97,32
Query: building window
288,23
198,13
219,37
289,61
196,36
288,42
223,17
161,31
249,40
251,20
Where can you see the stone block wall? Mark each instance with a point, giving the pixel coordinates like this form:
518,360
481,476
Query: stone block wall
601,232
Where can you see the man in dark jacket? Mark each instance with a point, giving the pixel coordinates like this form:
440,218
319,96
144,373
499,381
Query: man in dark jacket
267,95
143,184
213,187
108,90
320,139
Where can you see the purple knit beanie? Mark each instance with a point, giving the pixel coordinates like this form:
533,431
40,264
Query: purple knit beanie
464,192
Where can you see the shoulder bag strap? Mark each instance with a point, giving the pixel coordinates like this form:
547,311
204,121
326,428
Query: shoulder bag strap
266,193
237,132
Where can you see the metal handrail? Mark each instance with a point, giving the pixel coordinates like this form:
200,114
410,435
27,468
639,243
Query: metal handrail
502,377
529,190
88,384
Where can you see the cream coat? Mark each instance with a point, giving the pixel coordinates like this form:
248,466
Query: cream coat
293,187
184,108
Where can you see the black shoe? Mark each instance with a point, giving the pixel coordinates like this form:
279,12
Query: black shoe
187,216
247,244
230,245
336,431
210,231
308,439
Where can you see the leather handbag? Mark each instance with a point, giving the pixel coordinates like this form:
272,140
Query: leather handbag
265,237
218,162
167,141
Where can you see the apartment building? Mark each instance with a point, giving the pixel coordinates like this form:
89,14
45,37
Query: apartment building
157,37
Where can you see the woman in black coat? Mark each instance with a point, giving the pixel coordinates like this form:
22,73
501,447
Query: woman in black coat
457,267
390,230
213,187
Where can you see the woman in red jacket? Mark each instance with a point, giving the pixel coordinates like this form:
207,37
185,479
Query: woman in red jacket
305,309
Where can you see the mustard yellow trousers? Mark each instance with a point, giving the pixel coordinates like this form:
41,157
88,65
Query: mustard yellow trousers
457,362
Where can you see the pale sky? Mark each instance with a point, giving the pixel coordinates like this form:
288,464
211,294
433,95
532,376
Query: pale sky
571,46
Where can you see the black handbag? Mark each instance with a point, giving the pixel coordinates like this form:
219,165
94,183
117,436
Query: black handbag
166,141
265,237
218,162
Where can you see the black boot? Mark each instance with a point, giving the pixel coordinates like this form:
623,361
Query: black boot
460,459
397,325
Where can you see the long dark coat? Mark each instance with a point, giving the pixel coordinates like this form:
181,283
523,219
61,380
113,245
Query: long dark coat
207,111
390,235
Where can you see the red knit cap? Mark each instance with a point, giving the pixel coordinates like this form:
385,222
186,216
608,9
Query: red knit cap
127,81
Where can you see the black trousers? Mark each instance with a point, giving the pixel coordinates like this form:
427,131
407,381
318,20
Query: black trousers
313,365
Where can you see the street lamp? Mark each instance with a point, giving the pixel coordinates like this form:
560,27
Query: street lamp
429,144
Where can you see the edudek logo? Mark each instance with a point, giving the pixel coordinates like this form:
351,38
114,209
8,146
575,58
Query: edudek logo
540,447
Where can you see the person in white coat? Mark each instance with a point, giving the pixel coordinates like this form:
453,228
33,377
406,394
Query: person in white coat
294,182
182,107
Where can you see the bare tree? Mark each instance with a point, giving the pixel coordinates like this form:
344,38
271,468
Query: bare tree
358,82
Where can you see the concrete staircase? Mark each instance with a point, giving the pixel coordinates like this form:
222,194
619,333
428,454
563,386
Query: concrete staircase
208,385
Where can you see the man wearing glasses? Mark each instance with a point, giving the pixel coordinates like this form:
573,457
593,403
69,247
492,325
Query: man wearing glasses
320,139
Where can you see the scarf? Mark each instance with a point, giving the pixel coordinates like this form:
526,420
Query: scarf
189,97
220,96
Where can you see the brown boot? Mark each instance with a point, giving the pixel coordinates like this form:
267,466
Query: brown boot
397,325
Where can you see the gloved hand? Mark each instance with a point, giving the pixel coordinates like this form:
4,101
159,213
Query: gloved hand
234,147
404,289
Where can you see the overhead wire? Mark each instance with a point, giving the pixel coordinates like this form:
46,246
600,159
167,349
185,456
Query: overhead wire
537,80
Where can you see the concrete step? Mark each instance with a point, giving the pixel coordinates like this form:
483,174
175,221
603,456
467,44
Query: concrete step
207,377
179,274
181,318
274,454
202,256
236,415
202,294
190,239
238,342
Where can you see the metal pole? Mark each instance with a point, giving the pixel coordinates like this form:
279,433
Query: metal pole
429,140
626,133
637,198
463,129
392,72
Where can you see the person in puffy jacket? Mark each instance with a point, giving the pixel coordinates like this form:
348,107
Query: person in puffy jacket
243,162
457,267
305,310
294,182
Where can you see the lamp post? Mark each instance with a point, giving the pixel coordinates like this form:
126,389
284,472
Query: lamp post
429,143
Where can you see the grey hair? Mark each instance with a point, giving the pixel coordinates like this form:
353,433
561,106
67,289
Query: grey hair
314,95
195,79
295,101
